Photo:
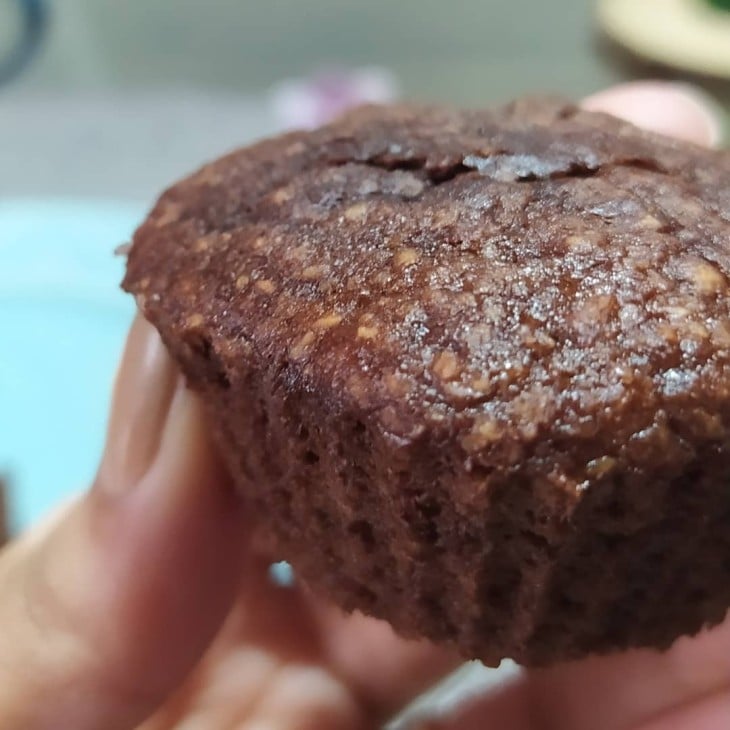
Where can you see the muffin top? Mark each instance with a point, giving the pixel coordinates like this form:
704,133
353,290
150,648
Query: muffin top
533,281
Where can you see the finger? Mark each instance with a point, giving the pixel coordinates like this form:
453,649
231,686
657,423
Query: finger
638,690
386,671
624,690
676,110
266,669
711,713
105,611
284,661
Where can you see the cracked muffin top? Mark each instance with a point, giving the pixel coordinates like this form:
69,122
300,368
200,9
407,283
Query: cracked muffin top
515,277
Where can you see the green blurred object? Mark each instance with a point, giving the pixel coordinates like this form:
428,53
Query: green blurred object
688,39
721,4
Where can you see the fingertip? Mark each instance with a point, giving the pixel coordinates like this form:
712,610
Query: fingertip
675,109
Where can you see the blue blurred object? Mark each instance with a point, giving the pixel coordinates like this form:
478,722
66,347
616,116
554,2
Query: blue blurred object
63,319
33,21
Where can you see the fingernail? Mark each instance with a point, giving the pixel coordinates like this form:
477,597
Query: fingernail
709,118
143,394
677,110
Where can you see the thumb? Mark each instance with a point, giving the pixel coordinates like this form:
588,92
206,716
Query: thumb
105,610
674,109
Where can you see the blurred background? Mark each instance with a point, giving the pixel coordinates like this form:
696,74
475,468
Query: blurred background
118,98
103,103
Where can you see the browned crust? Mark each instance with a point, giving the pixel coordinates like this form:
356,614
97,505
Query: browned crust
471,367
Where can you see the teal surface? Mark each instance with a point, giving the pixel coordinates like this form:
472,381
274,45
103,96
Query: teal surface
63,321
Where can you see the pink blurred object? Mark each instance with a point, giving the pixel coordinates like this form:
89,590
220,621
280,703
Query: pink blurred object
308,102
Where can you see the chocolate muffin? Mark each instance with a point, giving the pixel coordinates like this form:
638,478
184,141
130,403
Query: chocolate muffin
470,368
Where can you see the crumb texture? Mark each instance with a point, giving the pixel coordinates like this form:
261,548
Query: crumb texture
471,367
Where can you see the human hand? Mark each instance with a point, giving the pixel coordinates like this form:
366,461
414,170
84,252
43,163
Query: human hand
144,605
107,609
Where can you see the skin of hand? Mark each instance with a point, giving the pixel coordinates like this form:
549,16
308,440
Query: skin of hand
143,604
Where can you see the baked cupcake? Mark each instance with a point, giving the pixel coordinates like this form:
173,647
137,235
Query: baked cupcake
471,369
